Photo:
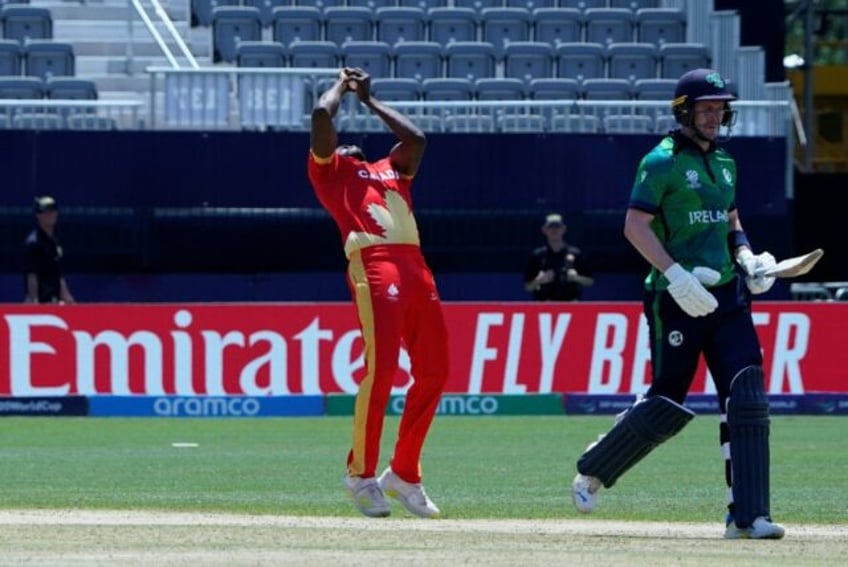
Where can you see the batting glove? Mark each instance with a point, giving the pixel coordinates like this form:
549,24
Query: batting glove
689,293
753,263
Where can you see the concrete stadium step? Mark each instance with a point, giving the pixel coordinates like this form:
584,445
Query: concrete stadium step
111,30
103,65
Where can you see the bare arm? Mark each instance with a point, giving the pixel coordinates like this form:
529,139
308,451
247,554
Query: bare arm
637,229
406,155
65,292
32,288
323,137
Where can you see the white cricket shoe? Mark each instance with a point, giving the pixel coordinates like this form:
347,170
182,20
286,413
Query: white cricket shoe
367,496
761,528
411,495
584,492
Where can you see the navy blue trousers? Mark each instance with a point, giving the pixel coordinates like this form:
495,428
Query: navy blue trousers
726,338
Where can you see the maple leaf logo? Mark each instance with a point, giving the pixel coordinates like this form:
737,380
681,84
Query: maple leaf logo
395,219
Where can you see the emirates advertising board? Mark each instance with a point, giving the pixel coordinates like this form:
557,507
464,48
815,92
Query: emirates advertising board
316,348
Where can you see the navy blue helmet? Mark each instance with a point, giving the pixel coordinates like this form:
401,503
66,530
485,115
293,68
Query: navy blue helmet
700,84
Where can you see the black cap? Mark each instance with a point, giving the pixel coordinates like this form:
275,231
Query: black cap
44,204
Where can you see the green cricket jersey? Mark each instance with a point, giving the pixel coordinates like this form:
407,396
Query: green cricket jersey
690,192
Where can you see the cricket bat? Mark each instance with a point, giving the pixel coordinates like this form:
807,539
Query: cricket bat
793,267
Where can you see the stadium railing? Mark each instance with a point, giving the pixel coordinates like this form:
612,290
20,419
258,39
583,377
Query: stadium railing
281,99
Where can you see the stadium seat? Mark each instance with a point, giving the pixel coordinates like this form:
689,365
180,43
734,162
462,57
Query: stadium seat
580,61
529,60
664,123
531,4
21,88
418,60
70,88
557,25
266,9
10,57
491,89
520,123
371,56
452,24
320,4
260,54
401,24
609,25
89,122
231,25
201,10
470,59
554,89
394,90
428,122
372,5
632,61
296,23
628,124
660,25
469,123
655,89
633,4
607,89
25,23
348,23
583,5
423,4
678,58
501,26
37,121
478,5
361,122
447,89
312,54
576,123
48,58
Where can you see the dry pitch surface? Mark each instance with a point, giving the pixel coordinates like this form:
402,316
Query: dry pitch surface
45,537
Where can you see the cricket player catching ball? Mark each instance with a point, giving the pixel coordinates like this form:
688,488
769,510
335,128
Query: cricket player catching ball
393,289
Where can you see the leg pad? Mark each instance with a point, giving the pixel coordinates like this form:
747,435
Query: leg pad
646,425
748,421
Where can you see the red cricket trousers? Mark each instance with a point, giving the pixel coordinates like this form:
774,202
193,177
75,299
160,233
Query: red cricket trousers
397,303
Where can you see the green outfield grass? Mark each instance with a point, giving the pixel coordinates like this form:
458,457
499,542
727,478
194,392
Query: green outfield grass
489,467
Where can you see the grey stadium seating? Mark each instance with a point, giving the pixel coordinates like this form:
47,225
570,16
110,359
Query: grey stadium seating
418,59
49,58
348,23
261,54
230,25
398,24
557,25
296,23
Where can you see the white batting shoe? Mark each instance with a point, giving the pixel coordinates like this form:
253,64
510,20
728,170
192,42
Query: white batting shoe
761,528
411,495
367,496
584,492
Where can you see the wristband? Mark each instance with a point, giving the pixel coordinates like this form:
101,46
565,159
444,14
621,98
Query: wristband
737,238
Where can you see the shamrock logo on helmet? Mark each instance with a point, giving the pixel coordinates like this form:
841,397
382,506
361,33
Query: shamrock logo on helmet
715,80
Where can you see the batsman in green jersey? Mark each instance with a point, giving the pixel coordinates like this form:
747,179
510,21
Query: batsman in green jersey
682,219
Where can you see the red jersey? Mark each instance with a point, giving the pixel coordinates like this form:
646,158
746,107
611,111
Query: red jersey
370,202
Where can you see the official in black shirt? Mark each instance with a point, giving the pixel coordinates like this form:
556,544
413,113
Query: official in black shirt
44,280
556,271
